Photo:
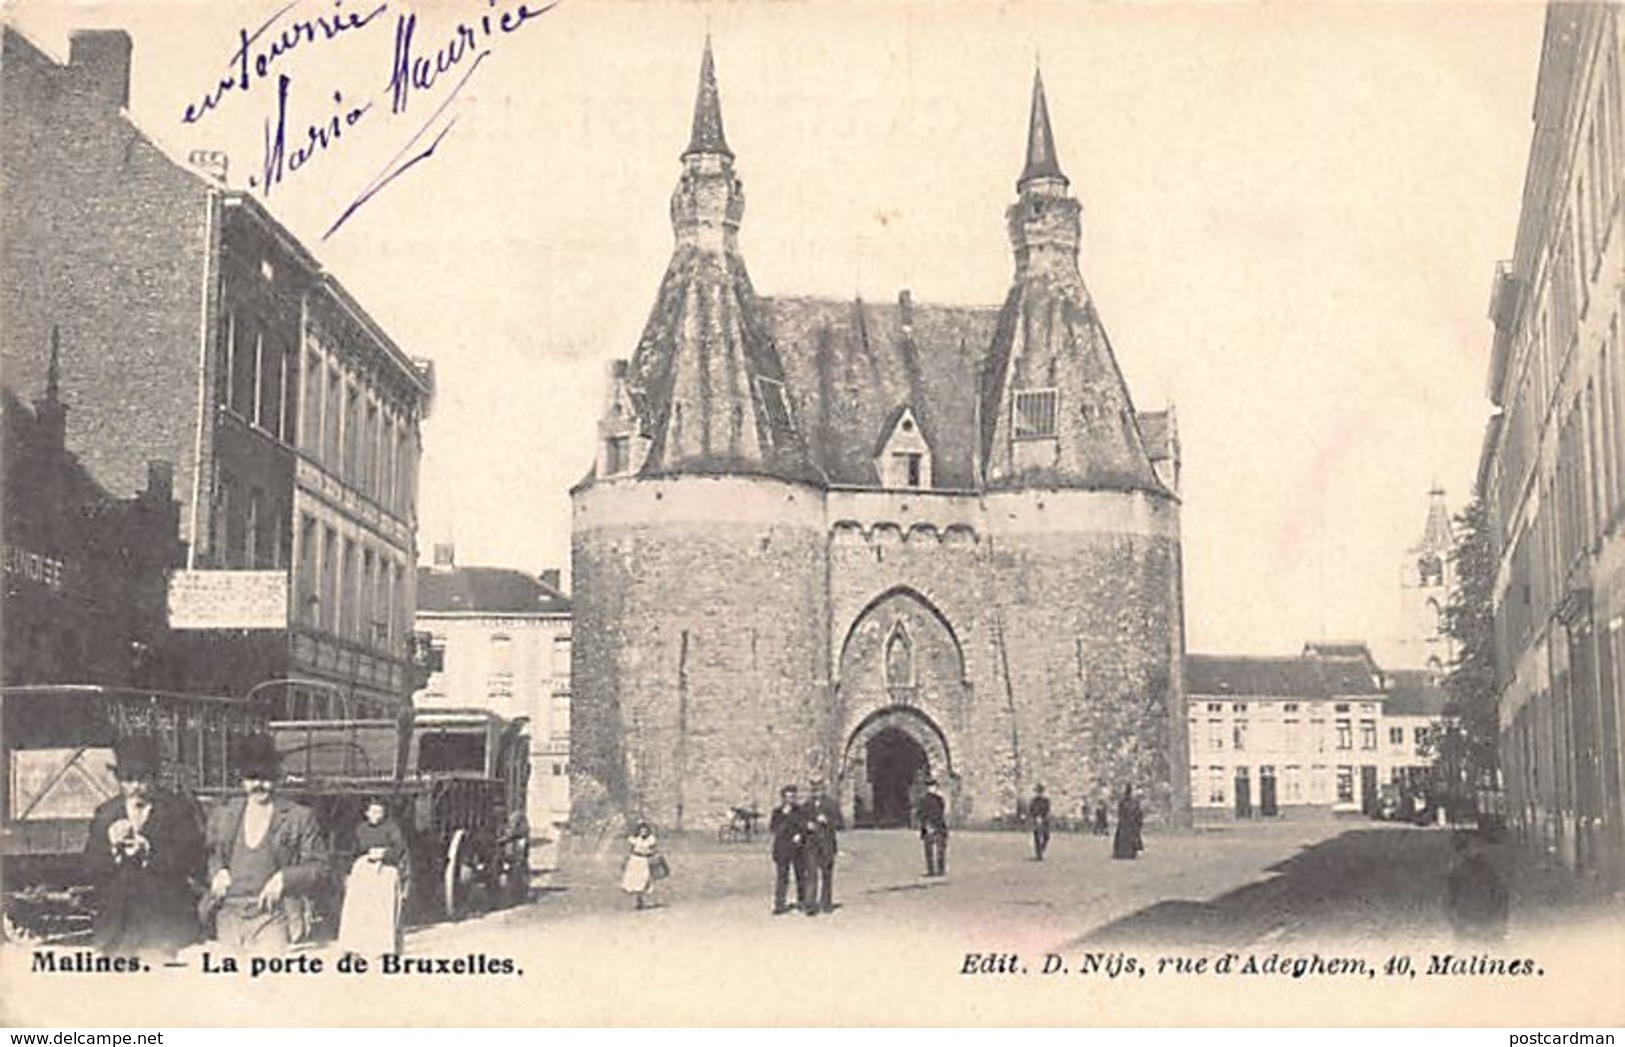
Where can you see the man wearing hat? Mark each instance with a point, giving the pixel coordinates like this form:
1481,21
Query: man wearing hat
144,845
1038,810
788,825
932,815
823,820
266,857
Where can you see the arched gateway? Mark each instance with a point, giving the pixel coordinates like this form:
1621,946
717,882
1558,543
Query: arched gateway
887,759
901,683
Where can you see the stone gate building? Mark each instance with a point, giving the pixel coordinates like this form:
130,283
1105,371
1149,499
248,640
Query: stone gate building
875,542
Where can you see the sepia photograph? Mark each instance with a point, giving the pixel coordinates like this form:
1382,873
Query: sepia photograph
536,513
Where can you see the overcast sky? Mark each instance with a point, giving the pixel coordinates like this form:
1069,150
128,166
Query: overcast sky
1291,216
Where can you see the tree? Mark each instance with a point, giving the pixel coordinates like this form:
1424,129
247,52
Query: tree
1468,741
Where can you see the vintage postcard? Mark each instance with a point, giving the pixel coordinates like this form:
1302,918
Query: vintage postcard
553,512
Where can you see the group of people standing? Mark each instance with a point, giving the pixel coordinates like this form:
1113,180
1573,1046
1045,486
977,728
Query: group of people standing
246,877
1128,841
804,846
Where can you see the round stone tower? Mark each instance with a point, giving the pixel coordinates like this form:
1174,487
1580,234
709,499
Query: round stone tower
699,552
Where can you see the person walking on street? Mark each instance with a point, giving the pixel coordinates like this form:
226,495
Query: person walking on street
143,846
932,816
1101,828
266,858
1476,899
823,821
789,828
1128,843
638,875
1038,811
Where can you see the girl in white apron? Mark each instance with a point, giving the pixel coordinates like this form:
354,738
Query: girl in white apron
370,922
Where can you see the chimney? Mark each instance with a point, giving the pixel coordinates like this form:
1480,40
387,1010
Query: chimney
211,162
445,556
101,60
550,578
160,481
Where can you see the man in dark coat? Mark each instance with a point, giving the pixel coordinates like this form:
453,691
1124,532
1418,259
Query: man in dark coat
144,846
932,816
823,821
1476,898
788,825
266,859
1127,843
1038,812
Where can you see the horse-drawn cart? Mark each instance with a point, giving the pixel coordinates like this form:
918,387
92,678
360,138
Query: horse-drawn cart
454,779
57,748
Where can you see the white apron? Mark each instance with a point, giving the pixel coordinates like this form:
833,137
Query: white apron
369,924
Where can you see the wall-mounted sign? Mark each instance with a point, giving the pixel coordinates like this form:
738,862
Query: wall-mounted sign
36,567
228,600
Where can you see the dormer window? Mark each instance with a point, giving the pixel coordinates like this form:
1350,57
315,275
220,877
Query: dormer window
776,404
903,459
1035,414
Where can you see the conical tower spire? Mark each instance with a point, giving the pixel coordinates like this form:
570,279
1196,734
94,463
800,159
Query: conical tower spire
53,370
707,136
1041,159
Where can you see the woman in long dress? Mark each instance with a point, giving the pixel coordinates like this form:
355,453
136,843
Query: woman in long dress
636,878
370,922
1127,843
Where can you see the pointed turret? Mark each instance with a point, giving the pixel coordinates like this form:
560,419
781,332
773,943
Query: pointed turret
707,136
706,379
50,413
53,370
1055,409
1437,535
1042,161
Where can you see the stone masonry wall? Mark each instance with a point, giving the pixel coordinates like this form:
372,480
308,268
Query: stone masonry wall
699,674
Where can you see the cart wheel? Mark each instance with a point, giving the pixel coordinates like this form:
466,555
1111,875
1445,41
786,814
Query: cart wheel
459,873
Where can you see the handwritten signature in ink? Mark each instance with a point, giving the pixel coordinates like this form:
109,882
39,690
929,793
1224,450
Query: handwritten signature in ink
253,62
414,71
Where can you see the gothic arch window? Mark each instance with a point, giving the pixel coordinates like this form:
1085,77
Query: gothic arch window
899,662
1430,570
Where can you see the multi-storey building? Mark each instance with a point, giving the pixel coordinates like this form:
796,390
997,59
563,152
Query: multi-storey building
85,573
195,330
501,641
875,542
1553,466
1268,734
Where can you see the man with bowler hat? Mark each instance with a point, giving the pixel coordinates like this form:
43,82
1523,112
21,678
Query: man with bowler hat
144,846
788,825
932,815
1038,811
266,857
823,820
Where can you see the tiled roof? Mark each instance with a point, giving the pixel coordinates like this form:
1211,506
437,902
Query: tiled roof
1209,675
1413,692
849,365
491,590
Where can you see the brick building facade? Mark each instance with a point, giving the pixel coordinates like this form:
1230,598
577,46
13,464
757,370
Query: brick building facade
1553,467
195,330
874,542
85,573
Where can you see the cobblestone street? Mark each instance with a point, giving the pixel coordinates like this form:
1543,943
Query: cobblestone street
1367,889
